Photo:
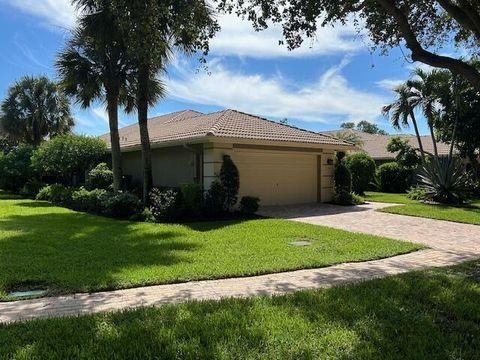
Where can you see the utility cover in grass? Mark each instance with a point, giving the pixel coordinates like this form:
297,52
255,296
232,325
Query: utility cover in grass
301,243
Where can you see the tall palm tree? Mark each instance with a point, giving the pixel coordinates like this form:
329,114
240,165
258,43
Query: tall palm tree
425,88
401,109
94,66
35,109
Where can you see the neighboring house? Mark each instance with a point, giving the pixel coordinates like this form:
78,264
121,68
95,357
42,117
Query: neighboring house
280,164
376,145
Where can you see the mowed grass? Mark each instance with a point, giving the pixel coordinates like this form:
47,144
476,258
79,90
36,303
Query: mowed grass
469,214
423,315
67,251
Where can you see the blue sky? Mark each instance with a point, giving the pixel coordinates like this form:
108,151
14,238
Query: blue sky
326,82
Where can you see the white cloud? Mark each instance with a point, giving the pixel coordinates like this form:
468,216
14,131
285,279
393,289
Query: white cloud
101,113
389,84
329,97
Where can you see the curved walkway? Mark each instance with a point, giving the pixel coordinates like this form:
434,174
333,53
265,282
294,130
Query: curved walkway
450,243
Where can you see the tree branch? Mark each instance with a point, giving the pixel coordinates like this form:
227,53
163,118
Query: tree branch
420,54
464,14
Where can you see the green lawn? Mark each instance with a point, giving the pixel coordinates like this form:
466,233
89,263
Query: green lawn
67,251
469,215
423,315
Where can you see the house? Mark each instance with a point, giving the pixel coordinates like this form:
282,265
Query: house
278,163
376,145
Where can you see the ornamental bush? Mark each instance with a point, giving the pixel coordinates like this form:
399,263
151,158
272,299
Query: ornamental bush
121,205
249,205
56,193
394,178
230,181
362,169
192,198
88,200
15,167
165,205
31,189
69,156
342,176
100,177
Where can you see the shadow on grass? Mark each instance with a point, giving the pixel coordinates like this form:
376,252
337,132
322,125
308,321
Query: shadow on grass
80,252
427,315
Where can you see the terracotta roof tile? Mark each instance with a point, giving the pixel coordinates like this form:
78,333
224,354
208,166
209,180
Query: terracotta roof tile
188,125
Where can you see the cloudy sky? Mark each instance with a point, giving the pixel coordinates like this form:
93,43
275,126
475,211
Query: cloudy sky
331,79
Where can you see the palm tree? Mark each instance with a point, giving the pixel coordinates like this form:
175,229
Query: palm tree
425,88
400,110
35,109
94,66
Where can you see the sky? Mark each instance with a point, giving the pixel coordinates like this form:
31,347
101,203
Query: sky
329,80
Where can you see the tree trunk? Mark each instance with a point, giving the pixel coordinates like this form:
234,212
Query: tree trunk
112,108
432,134
419,139
143,79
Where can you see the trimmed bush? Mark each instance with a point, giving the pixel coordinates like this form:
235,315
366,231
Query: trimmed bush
249,204
121,205
31,189
191,197
88,200
214,199
342,176
56,193
394,178
362,169
100,177
165,205
230,181
15,168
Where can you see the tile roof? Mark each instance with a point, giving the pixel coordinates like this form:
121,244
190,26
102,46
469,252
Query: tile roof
376,145
189,125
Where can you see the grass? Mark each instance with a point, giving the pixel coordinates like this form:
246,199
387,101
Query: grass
468,215
65,251
431,315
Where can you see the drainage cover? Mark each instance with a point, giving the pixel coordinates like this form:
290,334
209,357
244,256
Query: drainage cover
301,243
29,293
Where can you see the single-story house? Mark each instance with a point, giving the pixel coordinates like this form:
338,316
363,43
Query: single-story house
376,145
280,164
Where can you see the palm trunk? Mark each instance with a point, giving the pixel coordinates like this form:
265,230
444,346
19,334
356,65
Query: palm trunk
417,133
432,134
143,79
112,108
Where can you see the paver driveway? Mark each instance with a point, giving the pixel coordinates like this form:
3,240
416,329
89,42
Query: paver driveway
450,243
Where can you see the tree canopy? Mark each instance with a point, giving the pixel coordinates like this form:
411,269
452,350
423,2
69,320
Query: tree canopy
420,25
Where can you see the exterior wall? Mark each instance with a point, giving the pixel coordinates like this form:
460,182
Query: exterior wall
171,166
309,172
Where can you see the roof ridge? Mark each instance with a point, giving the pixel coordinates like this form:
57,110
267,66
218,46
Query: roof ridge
215,126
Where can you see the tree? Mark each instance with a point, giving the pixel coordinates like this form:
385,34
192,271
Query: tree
348,125
35,109
362,167
151,29
230,181
94,66
400,110
407,155
15,167
370,128
350,136
422,25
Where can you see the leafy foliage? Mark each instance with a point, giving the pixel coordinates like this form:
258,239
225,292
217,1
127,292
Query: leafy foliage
56,193
121,205
35,108
249,204
230,181
214,199
165,205
342,176
31,189
15,167
445,181
418,193
370,128
362,168
192,196
88,200
100,177
394,178
67,155
407,156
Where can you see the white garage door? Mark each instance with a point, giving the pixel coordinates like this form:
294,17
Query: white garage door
277,178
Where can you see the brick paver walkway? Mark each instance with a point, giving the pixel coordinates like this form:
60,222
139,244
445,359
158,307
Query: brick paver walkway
450,244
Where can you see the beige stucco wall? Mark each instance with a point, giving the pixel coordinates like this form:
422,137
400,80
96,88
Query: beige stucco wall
171,166
276,175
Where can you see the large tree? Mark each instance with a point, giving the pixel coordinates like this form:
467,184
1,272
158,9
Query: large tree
420,25
35,109
94,66
151,29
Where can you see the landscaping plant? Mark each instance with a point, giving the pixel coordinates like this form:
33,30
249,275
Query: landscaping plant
230,181
249,205
362,168
343,183
165,205
121,205
100,177
15,167
394,178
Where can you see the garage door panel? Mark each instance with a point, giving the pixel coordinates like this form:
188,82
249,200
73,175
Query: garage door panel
277,177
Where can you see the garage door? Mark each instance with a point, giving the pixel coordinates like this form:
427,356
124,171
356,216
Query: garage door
277,178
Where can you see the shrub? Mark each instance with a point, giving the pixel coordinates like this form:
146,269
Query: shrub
407,156
31,189
342,176
88,200
230,181
446,181
362,169
346,198
100,177
15,167
418,193
249,204
120,205
68,156
56,193
394,178
165,205
192,197
214,199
